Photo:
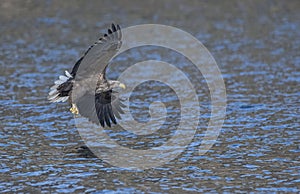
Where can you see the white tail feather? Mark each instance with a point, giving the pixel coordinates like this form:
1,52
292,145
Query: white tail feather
63,78
58,82
54,93
68,74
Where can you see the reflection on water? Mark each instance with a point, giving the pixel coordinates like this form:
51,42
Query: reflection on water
256,46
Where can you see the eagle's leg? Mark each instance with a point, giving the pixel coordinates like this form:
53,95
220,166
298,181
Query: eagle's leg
74,109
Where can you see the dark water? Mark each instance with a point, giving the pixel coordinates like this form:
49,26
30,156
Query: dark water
256,45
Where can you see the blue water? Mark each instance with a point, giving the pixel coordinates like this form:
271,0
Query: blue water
256,46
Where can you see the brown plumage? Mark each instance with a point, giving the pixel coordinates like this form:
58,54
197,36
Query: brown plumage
100,104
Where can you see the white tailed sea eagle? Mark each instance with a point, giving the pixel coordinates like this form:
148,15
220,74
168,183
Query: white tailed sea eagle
100,104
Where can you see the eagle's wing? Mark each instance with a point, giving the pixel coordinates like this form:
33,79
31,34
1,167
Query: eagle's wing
106,108
97,57
100,108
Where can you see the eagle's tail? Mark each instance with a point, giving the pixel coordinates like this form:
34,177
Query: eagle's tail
61,89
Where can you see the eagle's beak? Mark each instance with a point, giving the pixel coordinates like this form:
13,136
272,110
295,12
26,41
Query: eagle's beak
121,85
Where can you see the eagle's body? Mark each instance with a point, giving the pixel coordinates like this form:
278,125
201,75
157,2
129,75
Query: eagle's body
93,97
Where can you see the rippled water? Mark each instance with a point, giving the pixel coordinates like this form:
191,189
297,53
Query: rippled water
256,45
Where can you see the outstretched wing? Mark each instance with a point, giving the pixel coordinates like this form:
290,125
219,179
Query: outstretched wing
98,55
101,108
106,108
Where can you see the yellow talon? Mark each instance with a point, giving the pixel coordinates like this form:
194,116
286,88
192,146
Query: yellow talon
74,109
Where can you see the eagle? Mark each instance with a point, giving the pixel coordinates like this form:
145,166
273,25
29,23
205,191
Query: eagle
100,104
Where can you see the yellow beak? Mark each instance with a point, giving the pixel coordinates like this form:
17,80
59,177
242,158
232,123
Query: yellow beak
121,85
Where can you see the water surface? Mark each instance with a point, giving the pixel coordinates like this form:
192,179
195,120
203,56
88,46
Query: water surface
256,45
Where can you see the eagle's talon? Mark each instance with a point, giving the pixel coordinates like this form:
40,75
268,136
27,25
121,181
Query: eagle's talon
74,109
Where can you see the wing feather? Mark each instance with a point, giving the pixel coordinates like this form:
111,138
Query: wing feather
105,109
97,107
98,55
